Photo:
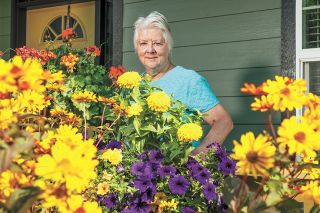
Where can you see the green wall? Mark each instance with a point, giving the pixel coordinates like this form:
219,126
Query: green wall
5,24
229,42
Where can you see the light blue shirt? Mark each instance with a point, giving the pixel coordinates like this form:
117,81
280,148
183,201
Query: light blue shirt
190,88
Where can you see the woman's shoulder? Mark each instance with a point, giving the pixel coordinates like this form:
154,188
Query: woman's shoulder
186,73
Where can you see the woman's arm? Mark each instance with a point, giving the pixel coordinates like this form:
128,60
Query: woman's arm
221,125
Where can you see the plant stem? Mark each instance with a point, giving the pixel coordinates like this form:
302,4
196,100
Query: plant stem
271,127
85,122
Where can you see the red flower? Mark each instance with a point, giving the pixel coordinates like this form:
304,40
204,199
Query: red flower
93,50
115,72
1,53
68,34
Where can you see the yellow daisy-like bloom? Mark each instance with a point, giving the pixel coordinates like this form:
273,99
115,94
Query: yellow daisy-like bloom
261,104
299,137
103,188
312,115
7,117
57,195
129,80
9,181
58,112
134,109
314,173
284,93
113,156
189,132
168,204
84,97
312,191
313,101
74,166
106,175
32,102
44,146
254,155
159,101
69,135
52,78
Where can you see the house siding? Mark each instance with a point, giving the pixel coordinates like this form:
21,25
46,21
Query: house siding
5,25
229,42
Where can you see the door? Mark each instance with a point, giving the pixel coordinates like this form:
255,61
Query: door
47,24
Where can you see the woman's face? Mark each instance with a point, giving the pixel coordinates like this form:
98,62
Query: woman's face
152,49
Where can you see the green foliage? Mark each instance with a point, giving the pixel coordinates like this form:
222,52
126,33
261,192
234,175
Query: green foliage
86,76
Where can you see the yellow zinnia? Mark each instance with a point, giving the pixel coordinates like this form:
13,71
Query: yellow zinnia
189,132
285,93
299,137
133,109
84,97
113,156
254,155
129,80
159,101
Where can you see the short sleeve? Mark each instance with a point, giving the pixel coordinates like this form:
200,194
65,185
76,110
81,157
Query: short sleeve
201,96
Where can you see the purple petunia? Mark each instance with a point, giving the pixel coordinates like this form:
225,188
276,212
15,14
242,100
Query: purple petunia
227,166
196,169
155,156
187,210
166,171
138,168
143,183
120,168
114,145
148,195
203,176
178,185
143,156
191,162
139,206
111,201
209,191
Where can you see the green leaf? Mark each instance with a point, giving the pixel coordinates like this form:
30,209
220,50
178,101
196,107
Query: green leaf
22,199
136,124
150,128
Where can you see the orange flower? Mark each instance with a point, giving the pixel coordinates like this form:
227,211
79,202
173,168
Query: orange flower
93,50
115,72
68,34
107,101
69,61
251,89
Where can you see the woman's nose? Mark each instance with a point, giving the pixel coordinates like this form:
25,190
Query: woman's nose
150,48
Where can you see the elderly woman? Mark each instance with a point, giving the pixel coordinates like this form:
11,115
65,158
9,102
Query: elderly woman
153,44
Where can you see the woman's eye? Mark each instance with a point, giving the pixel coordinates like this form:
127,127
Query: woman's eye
159,44
143,44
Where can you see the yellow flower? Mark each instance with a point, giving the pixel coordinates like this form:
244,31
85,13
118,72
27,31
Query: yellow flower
312,115
69,135
284,93
312,191
299,137
168,204
106,175
9,181
113,156
134,109
254,155
261,104
84,97
74,166
103,188
52,78
58,112
159,101
7,117
32,102
313,172
189,132
69,61
129,80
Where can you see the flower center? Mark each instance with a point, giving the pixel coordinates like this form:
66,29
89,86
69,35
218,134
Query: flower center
300,137
285,91
252,157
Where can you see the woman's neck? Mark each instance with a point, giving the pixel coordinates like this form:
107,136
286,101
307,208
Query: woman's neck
157,74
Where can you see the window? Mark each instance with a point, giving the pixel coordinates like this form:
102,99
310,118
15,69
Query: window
53,30
308,43
311,24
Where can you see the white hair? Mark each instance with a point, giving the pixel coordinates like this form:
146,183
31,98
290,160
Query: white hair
157,20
